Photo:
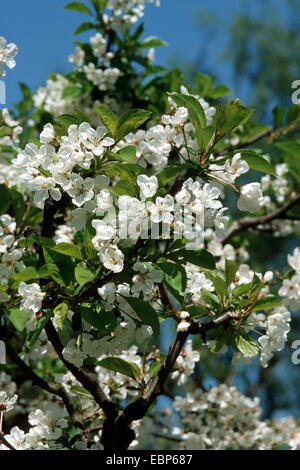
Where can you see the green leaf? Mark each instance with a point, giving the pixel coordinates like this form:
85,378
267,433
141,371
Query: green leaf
257,162
152,42
18,205
204,84
52,268
235,116
102,320
127,154
219,91
219,284
168,174
195,110
33,336
201,258
289,146
146,313
108,117
246,344
130,122
100,4
127,183
230,271
174,276
242,289
197,311
60,314
86,26
204,136
71,92
293,114
117,364
83,275
18,318
278,115
27,274
79,390
266,303
210,298
78,6
154,369
5,199
68,249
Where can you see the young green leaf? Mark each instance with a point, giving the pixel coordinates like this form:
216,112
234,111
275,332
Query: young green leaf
231,268
127,154
117,364
18,318
102,320
68,249
60,314
146,313
27,274
109,118
266,303
195,110
130,122
83,275
33,335
246,344
235,116
78,6
71,92
201,258
174,276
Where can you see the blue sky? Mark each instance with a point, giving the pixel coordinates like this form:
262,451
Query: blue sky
43,32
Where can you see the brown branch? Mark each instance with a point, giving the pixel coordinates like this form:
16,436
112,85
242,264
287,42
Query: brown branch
252,141
252,222
6,443
55,389
87,379
119,433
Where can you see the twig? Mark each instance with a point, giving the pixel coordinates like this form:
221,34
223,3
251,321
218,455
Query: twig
6,443
252,222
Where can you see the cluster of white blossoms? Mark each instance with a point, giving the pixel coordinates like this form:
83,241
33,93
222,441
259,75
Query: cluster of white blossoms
50,98
7,54
279,187
154,145
14,130
10,255
290,288
277,326
123,14
46,427
225,419
79,149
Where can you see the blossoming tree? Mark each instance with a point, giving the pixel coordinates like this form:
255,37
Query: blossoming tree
121,212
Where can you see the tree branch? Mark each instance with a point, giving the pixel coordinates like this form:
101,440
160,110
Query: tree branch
87,379
55,389
119,432
252,222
